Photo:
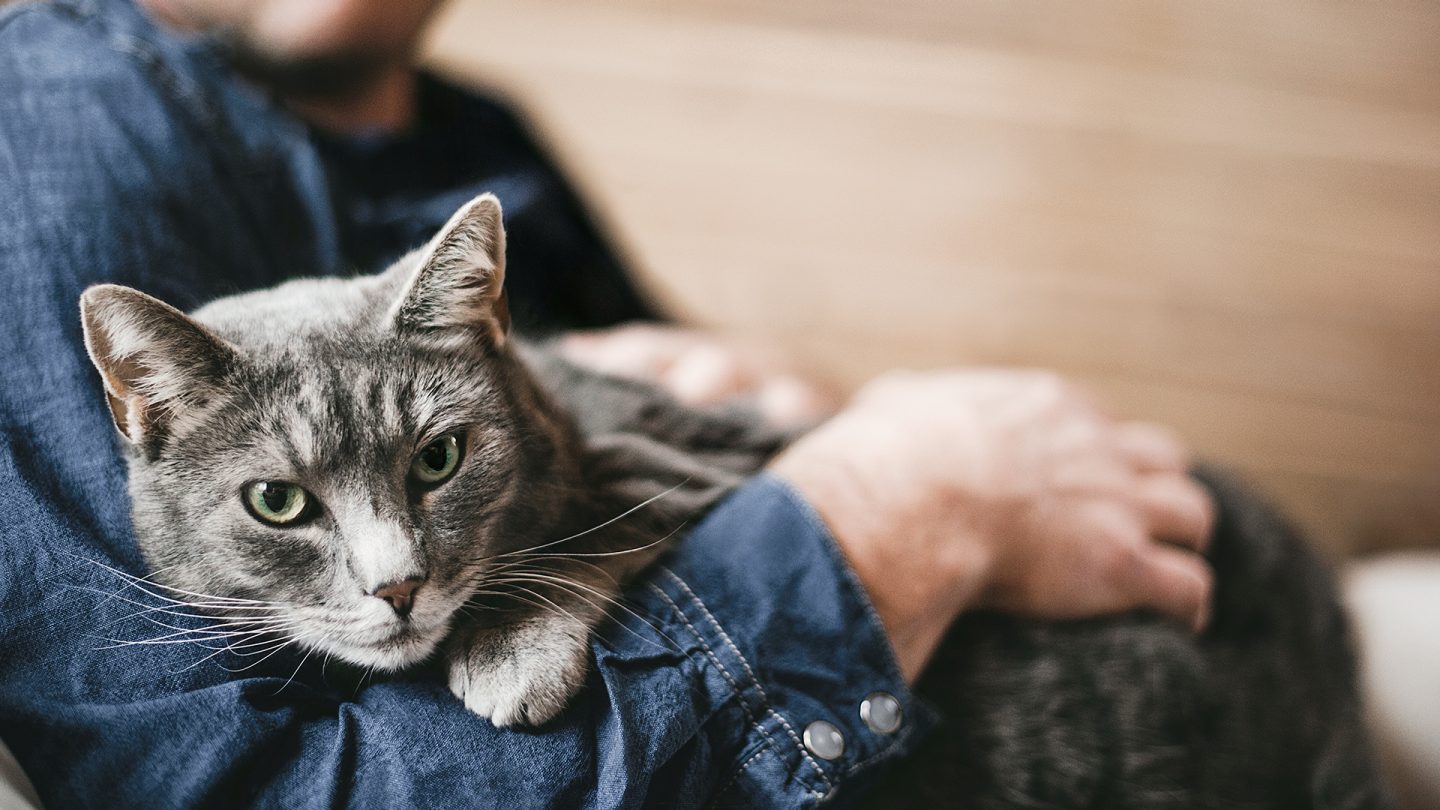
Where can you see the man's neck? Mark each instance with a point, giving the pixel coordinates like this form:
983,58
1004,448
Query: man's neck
386,105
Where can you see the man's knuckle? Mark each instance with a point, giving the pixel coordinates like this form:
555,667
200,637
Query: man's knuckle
1125,562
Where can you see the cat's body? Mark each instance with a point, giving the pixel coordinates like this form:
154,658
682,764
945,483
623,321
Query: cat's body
379,464
1260,711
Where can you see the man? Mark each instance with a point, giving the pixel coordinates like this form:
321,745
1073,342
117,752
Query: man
295,138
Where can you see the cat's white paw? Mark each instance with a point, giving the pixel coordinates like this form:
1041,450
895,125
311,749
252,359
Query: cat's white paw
521,675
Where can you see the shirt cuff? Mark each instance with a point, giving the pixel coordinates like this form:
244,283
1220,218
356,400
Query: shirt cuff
766,595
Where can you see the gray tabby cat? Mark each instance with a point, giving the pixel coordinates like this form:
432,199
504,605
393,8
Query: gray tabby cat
382,459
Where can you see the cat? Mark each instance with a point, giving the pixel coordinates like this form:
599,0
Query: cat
494,473
382,458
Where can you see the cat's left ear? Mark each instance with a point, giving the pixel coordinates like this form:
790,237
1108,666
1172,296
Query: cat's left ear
155,361
459,286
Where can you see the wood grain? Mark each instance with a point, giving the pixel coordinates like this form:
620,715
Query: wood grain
1222,215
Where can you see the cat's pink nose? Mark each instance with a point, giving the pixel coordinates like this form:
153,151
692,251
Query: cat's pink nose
400,595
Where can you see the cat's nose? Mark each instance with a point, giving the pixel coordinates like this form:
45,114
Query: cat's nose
400,595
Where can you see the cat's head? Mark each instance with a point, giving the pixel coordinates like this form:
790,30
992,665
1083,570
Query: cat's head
350,453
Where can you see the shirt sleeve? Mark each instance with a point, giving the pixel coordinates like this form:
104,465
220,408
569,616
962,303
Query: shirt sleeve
118,163
777,623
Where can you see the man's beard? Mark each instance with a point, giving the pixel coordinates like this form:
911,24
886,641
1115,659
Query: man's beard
338,76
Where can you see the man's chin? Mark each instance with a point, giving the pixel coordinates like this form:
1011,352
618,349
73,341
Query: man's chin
337,76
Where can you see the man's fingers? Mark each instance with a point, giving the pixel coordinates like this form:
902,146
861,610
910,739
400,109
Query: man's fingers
1176,509
626,351
1151,448
790,401
1174,582
705,375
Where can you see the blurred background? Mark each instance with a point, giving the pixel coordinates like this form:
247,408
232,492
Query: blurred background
1224,216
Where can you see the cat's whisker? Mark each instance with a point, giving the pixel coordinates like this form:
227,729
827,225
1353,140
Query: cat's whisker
549,579
632,510
595,631
560,611
298,667
282,645
227,621
235,647
200,633
530,559
108,595
621,552
203,660
215,624
171,607
208,613
232,646
243,627
253,643
197,635
174,610
253,604
229,627
128,577
197,663
136,582
523,596
115,643
201,606
532,562
605,598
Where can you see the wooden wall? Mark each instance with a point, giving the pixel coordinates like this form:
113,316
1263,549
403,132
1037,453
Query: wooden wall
1223,215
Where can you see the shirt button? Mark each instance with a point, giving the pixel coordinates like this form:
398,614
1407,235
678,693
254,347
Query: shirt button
824,740
881,712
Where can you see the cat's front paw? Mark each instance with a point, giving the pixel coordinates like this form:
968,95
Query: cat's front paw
522,674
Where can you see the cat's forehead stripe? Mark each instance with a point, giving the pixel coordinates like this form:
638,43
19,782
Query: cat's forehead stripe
344,417
304,443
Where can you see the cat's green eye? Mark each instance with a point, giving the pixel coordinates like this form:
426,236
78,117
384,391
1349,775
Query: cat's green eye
436,461
277,502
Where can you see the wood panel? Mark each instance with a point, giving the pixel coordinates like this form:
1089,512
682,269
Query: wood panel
1223,215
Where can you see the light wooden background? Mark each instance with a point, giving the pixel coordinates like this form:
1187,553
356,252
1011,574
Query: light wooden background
1223,215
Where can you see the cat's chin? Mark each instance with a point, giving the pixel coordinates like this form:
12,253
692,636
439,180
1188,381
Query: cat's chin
390,654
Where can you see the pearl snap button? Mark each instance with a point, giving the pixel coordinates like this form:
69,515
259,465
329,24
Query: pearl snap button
824,740
881,712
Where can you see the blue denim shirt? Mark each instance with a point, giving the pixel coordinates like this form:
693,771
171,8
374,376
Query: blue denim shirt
130,155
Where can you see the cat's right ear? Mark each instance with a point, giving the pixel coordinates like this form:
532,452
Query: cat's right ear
457,290
154,360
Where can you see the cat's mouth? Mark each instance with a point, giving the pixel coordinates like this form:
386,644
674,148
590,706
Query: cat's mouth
391,648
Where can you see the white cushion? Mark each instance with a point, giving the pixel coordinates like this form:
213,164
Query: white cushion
1395,601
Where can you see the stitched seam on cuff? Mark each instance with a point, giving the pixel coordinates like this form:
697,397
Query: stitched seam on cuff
730,679
715,801
789,730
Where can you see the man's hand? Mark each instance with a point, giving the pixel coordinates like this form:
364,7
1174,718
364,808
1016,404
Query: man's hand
1007,490
702,369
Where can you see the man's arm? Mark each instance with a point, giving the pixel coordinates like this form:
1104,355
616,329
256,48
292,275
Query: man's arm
120,163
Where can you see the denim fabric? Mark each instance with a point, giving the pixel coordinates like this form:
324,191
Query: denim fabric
133,156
